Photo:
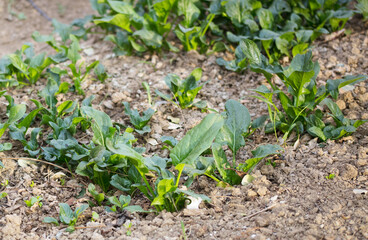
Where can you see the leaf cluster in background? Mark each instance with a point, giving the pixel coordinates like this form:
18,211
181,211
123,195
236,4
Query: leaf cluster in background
279,26
300,97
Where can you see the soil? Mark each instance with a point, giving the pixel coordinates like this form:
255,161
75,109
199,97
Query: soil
291,200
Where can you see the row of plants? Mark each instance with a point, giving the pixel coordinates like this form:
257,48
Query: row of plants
279,26
113,159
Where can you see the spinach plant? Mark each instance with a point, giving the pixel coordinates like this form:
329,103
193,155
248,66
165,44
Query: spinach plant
362,7
77,75
33,201
139,122
25,65
184,90
235,124
67,216
165,192
123,204
300,103
99,197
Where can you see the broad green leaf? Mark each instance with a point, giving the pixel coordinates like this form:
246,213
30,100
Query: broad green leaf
334,108
195,195
197,140
18,63
102,123
317,132
80,210
114,200
236,123
121,183
258,154
16,113
135,208
189,10
51,220
333,86
163,8
150,38
265,18
124,150
66,214
251,51
62,29
120,20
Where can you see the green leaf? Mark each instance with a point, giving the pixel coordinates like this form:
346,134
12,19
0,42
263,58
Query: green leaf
101,125
251,51
114,200
51,220
62,29
120,20
197,140
163,8
189,10
150,38
16,113
258,154
195,195
124,150
317,132
333,86
66,214
236,123
265,18
80,210
18,63
135,208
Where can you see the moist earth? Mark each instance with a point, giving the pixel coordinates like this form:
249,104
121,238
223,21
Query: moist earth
289,199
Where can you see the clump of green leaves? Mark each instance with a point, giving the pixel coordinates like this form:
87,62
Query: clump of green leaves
67,216
25,65
184,90
362,7
279,26
139,122
165,193
123,204
302,98
2,195
99,197
330,176
33,201
214,132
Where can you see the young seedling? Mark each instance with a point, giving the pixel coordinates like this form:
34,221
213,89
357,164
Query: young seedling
67,216
184,91
330,176
128,229
99,197
33,201
95,216
122,204
299,104
2,195
139,122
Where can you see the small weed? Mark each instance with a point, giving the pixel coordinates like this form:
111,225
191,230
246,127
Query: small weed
184,236
2,195
128,228
330,176
34,200
95,216
67,216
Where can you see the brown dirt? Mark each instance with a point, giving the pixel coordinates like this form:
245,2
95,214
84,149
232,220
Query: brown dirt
292,200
